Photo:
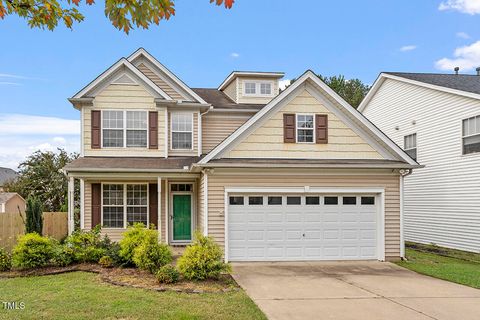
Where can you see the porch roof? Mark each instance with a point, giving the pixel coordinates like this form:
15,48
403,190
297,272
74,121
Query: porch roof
130,164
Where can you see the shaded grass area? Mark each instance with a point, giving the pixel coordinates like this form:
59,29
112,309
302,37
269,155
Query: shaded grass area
81,295
443,263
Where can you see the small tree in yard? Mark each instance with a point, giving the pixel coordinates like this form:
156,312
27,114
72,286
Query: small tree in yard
34,222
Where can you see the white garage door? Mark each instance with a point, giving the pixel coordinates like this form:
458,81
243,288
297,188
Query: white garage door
268,227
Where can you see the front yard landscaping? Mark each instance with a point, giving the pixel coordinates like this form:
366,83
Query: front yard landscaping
448,264
82,295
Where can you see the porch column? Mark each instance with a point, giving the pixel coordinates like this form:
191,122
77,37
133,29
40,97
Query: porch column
82,204
159,206
71,205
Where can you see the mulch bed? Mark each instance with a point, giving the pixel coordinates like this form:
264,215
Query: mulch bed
135,278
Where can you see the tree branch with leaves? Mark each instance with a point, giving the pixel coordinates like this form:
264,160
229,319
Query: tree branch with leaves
123,14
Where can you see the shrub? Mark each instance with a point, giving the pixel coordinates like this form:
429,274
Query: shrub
33,251
113,251
88,246
202,259
167,274
131,239
106,262
33,212
5,260
63,255
151,255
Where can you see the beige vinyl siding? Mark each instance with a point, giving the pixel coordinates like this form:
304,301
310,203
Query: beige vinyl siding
442,200
14,204
217,126
221,179
231,90
122,97
172,93
256,99
267,141
194,151
201,203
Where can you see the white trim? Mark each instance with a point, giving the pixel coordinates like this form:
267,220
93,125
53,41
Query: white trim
205,203
71,205
156,63
192,209
308,76
402,236
159,208
167,212
125,129
82,133
166,133
381,78
199,133
235,74
171,130
82,204
115,67
307,190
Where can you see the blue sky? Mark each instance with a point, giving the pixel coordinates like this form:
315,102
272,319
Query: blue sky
40,69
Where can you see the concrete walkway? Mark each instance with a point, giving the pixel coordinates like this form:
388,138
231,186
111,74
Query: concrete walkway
353,290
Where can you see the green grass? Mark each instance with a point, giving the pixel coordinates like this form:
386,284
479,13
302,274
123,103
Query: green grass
451,265
80,295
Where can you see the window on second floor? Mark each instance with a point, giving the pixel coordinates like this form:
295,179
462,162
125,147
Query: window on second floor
410,145
471,135
124,128
182,131
305,128
258,88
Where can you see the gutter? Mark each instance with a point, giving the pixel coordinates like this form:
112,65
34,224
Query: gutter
307,165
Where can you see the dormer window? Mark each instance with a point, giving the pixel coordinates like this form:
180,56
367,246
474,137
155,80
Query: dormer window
258,88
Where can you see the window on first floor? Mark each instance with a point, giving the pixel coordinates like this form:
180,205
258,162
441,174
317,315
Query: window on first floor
471,135
410,145
124,204
182,131
124,128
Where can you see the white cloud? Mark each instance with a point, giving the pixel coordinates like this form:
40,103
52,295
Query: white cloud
463,35
408,48
21,135
282,84
464,6
234,55
466,57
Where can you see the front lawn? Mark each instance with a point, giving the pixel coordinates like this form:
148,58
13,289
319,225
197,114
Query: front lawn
81,295
447,264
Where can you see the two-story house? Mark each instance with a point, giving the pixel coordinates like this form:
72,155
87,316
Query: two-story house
436,119
296,175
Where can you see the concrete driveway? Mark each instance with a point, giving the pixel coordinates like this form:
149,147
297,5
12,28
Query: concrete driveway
353,290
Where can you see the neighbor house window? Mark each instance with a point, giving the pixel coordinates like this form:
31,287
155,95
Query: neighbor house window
265,88
410,145
250,88
124,204
124,128
258,88
182,131
471,135
305,127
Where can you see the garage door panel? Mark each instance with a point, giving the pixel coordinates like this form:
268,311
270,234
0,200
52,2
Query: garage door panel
314,231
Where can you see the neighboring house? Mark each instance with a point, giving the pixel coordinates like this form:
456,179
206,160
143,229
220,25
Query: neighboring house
11,202
436,119
6,174
299,175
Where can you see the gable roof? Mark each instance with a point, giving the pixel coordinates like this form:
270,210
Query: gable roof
107,76
6,174
387,145
162,68
460,84
219,100
5,196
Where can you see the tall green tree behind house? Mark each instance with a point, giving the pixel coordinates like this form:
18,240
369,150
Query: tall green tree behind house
34,220
40,176
351,90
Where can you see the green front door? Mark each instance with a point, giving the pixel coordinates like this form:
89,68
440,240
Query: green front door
182,217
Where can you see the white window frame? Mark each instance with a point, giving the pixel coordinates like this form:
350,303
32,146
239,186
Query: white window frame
125,223
416,144
467,136
171,130
258,88
297,128
124,111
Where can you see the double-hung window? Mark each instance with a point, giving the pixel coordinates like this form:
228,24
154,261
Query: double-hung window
305,128
410,145
265,88
124,128
471,135
182,131
250,88
124,204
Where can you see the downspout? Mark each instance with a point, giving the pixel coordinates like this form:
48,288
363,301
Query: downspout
403,174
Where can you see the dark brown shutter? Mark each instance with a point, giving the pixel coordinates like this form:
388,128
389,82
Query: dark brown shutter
289,128
96,127
96,204
153,204
153,130
321,122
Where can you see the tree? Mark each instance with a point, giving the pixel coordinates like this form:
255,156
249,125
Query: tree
40,176
353,91
123,14
34,213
